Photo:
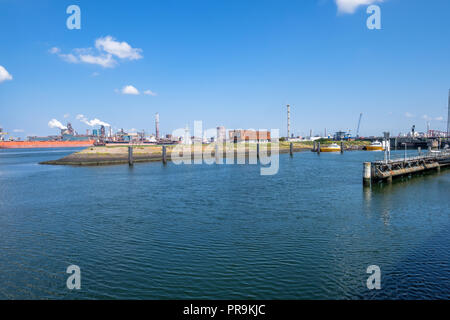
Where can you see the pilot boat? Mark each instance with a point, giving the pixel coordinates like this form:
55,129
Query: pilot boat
331,148
375,146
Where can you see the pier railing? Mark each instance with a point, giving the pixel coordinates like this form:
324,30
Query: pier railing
426,156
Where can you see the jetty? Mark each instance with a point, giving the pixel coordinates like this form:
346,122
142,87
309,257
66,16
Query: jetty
385,170
130,154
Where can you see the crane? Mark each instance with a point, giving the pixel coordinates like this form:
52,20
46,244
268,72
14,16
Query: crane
359,123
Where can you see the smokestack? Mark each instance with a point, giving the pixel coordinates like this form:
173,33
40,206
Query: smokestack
157,125
448,115
288,121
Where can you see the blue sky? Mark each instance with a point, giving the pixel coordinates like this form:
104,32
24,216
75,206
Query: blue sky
226,62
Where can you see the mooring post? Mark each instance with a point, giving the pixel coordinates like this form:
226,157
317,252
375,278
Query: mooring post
318,147
314,147
342,147
164,154
291,149
367,173
130,156
257,151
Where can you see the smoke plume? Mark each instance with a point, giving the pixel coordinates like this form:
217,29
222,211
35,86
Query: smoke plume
56,124
93,122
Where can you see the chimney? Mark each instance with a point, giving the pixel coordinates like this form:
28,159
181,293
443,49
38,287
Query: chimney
288,121
448,115
157,125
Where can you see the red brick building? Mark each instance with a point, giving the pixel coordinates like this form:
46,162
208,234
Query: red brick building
249,136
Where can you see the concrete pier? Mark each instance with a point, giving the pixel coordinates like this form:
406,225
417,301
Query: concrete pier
367,173
386,170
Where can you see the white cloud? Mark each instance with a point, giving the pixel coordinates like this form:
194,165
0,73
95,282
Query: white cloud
54,50
130,90
92,123
66,57
69,58
409,115
107,49
56,124
120,49
18,130
350,6
95,74
66,116
426,117
4,74
150,93
106,61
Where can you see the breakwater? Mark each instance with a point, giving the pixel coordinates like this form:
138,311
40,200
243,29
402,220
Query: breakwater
121,155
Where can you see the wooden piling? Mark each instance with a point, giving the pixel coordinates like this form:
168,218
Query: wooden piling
130,156
164,154
318,147
291,149
314,147
257,150
342,147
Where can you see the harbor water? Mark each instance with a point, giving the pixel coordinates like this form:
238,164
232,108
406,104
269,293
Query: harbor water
220,231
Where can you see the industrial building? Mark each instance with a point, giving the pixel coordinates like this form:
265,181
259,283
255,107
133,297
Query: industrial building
248,136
